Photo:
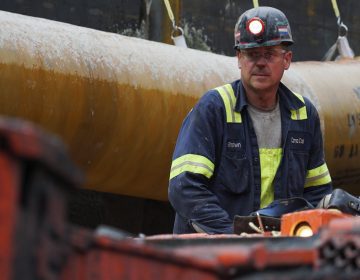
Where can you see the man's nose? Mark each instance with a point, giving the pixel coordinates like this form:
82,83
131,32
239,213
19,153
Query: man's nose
261,60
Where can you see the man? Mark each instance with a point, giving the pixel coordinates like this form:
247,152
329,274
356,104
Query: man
248,143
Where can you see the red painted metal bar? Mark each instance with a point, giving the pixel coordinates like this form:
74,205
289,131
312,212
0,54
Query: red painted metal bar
10,179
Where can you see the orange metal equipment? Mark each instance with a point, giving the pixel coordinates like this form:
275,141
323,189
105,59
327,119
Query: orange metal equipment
311,219
37,242
35,173
102,257
118,102
9,178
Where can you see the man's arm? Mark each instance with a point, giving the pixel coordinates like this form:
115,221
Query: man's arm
194,164
318,180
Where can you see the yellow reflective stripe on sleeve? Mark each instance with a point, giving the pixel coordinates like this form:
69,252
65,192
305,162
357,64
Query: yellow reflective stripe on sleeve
227,94
192,163
318,176
301,113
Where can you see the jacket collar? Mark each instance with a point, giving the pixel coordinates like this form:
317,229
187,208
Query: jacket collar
286,97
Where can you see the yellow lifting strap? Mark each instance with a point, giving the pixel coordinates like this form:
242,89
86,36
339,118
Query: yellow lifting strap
256,3
169,10
336,8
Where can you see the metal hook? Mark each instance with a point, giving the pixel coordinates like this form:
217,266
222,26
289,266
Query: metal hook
176,28
179,40
343,29
338,21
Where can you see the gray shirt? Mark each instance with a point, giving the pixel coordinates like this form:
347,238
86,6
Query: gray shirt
267,125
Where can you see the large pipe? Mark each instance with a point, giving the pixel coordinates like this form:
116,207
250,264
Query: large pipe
118,102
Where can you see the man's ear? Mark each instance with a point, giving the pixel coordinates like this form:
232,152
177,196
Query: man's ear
287,59
238,58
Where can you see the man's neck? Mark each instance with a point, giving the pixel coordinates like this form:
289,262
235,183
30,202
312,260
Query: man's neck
264,101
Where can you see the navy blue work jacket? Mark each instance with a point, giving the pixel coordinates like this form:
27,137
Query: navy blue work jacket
218,166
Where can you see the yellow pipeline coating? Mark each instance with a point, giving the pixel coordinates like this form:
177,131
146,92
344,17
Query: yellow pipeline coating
118,102
334,87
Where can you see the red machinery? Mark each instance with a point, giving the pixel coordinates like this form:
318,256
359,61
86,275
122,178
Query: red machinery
37,242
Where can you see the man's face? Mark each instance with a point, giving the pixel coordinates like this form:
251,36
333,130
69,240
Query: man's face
262,68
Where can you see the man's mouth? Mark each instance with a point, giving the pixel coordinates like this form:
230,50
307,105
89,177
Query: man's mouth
261,74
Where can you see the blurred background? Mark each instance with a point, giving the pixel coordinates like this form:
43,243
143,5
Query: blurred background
208,25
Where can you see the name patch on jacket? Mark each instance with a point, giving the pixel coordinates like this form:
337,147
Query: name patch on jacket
299,140
234,148
233,145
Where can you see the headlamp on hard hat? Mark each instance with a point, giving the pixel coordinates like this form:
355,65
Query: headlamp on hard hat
262,27
255,26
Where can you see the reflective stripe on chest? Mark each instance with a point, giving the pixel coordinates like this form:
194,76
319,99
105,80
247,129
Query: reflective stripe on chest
228,96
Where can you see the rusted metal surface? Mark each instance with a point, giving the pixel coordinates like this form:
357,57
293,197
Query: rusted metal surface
199,256
118,102
205,257
190,259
